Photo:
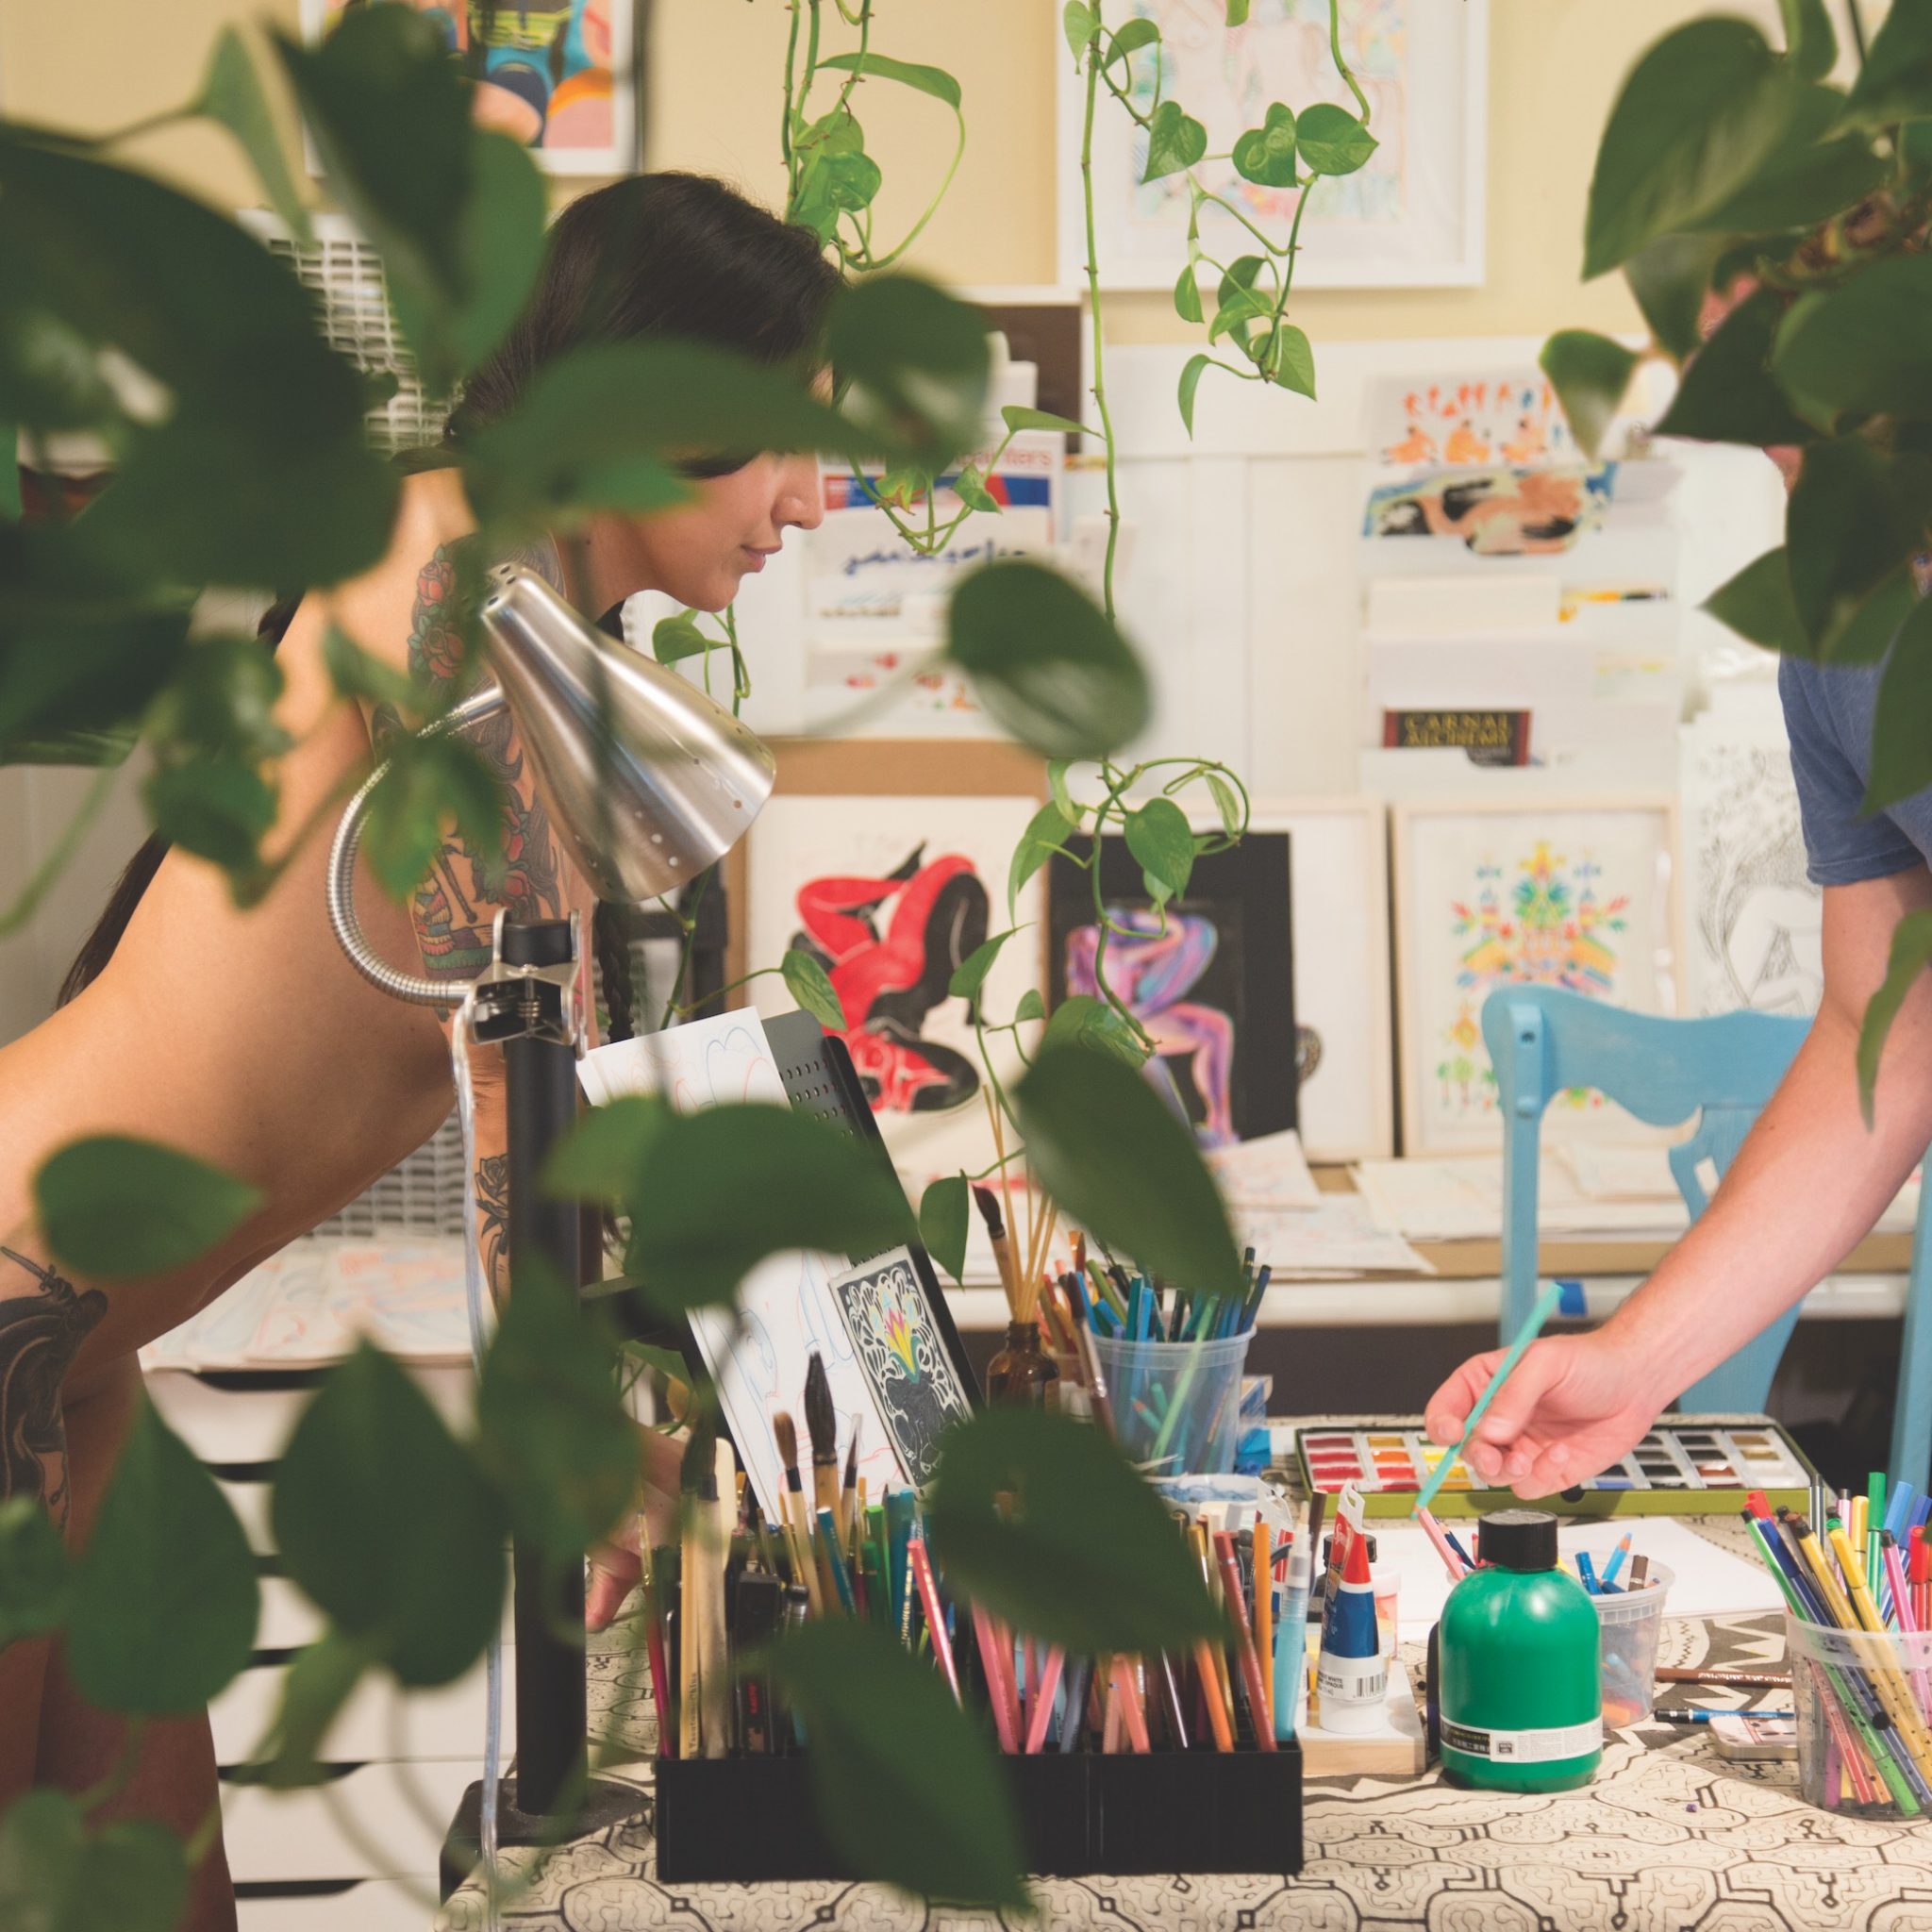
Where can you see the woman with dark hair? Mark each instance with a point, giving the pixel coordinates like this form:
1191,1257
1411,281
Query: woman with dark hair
247,1038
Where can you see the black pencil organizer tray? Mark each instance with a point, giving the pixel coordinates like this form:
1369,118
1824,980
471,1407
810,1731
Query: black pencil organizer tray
746,1820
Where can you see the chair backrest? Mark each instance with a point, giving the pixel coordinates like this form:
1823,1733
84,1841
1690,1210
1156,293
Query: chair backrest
1544,1041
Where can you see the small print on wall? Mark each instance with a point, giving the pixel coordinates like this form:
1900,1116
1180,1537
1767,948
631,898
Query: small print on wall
1413,216
1754,922
892,892
1553,895
1212,981
558,79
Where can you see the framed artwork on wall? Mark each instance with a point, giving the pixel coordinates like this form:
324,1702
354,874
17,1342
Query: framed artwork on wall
887,861
1213,981
1754,922
1566,892
561,78
1339,912
1413,216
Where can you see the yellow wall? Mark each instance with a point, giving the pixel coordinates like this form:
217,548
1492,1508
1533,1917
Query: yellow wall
1554,68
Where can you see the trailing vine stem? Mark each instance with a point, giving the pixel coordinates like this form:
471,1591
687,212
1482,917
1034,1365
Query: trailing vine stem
1113,507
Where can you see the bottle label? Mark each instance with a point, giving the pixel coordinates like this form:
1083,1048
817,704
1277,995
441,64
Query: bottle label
1525,1747
1352,1679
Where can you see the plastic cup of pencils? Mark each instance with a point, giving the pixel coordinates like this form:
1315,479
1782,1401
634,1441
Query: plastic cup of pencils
1864,1746
1176,1404
1630,1623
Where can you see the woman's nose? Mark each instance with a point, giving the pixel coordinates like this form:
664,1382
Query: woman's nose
801,497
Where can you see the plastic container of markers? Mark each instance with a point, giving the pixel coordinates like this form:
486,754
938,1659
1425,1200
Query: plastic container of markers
1176,1404
1630,1622
1864,1704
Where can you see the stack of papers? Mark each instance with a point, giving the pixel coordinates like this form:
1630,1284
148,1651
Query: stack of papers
1586,1190
315,1300
1343,1238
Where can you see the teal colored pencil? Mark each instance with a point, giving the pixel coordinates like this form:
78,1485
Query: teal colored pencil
1545,1307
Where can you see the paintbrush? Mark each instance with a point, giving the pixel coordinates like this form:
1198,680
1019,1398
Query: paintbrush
713,1654
848,1491
697,1472
822,1426
797,1537
989,1204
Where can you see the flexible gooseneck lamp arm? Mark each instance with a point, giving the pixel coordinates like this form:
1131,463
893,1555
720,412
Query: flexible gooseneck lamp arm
648,782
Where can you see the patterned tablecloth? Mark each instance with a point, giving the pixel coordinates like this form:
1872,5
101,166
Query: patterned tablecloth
1669,1838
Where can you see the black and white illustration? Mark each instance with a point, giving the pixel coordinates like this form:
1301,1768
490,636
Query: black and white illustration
903,1357
1753,921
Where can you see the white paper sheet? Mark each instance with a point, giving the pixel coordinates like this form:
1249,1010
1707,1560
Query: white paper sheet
1270,1173
786,1303
312,1303
1341,1237
1708,1582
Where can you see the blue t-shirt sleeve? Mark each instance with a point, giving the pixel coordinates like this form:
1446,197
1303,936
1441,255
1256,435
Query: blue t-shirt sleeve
1841,846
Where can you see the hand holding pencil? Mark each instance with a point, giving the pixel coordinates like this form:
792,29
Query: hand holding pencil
1572,1405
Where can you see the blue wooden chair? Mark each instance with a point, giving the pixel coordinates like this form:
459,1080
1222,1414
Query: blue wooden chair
1543,1040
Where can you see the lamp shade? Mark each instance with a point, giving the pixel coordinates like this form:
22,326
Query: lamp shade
647,780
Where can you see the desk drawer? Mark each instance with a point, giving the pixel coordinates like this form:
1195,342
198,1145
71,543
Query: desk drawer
223,1422
364,1824
376,1904
442,1724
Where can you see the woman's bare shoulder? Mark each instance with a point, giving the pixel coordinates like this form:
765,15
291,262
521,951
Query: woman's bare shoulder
398,611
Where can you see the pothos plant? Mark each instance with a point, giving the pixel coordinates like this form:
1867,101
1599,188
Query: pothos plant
141,315
1740,182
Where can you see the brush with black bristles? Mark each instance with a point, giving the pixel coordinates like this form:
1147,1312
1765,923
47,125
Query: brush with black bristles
822,1425
848,1491
989,1204
797,1531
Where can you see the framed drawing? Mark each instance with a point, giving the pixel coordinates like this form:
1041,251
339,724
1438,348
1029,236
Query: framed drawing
887,861
1411,217
561,78
1213,981
1754,922
1339,913
1555,892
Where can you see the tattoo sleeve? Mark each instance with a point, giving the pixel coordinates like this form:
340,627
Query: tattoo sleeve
40,1333
493,1224
456,904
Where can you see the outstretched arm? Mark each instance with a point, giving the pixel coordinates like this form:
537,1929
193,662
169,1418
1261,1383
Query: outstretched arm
1806,1186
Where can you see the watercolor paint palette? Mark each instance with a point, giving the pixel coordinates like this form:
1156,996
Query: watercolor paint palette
1686,1466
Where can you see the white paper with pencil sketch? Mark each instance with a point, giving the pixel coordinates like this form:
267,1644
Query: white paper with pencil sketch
788,1304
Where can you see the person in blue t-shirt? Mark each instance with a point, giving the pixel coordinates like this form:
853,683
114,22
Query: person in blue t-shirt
1808,1184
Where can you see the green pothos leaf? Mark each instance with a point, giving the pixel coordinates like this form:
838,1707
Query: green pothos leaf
943,1217
806,981
968,977
1191,381
1046,830
907,1788
1079,23
1174,140
1590,373
1911,949
1082,1020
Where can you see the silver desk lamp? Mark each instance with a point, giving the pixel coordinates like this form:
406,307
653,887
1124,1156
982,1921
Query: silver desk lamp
648,781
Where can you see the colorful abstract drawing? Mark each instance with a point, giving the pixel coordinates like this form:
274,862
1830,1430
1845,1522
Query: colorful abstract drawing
911,1376
891,946
555,77
1579,899
1210,979
1506,510
1549,926
1153,964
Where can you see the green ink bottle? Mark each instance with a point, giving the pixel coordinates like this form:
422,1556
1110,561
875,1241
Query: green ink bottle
1522,1693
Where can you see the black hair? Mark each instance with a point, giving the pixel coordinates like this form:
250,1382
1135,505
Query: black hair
651,255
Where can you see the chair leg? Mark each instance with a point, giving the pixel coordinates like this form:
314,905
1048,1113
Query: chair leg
1742,1384
1912,1422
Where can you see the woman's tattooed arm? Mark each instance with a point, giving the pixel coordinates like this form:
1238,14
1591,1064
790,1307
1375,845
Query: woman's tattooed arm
43,1321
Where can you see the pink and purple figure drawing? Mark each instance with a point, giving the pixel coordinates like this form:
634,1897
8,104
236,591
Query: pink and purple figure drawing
1153,965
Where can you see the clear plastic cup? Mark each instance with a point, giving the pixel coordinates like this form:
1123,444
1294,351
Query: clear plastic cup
1176,1404
1387,1581
1630,1622
1864,1738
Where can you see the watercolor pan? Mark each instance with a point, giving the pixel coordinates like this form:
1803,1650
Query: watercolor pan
1686,1466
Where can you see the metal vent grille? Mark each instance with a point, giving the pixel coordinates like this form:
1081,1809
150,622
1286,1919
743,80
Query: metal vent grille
423,1196
343,276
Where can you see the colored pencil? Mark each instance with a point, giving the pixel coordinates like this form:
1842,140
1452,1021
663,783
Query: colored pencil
1545,1307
